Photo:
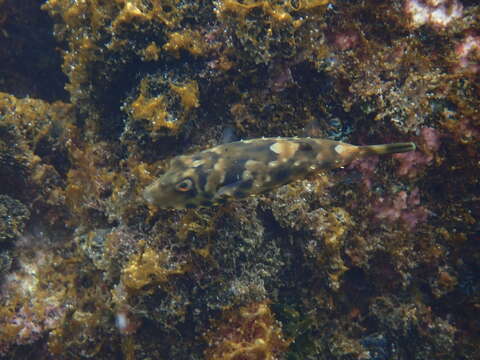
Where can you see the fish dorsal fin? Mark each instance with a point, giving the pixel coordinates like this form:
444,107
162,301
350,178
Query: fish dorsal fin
228,135
312,129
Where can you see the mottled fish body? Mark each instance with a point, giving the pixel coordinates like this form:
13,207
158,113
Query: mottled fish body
243,168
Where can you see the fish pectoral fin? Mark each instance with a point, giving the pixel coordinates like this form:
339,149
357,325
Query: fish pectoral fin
227,191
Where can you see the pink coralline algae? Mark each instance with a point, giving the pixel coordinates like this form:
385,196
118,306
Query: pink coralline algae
468,54
403,207
412,163
430,138
437,13
346,40
27,316
367,168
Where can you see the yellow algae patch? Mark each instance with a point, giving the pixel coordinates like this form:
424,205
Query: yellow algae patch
151,52
153,109
250,332
311,4
188,94
167,111
239,8
163,11
148,268
276,12
187,40
129,13
332,227
142,173
279,12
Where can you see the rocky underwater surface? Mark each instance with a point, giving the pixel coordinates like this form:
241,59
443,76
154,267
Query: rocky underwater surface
378,260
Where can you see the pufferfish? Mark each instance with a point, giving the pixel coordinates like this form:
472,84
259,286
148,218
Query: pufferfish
250,167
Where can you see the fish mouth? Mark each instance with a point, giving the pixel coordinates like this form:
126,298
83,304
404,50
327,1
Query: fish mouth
154,196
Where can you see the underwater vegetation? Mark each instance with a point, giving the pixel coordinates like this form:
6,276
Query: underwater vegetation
376,260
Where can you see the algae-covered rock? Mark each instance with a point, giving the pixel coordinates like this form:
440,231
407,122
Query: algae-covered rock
13,216
31,62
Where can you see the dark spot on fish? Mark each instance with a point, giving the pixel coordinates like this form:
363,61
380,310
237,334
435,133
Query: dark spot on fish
202,178
213,157
252,150
305,147
178,164
192,193
326,164
207,195
206,203
246,185
240,194
235,171
281,175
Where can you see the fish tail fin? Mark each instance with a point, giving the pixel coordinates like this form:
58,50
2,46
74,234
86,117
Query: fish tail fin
387,148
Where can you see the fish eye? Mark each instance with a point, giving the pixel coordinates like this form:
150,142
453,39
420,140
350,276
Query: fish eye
184,185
